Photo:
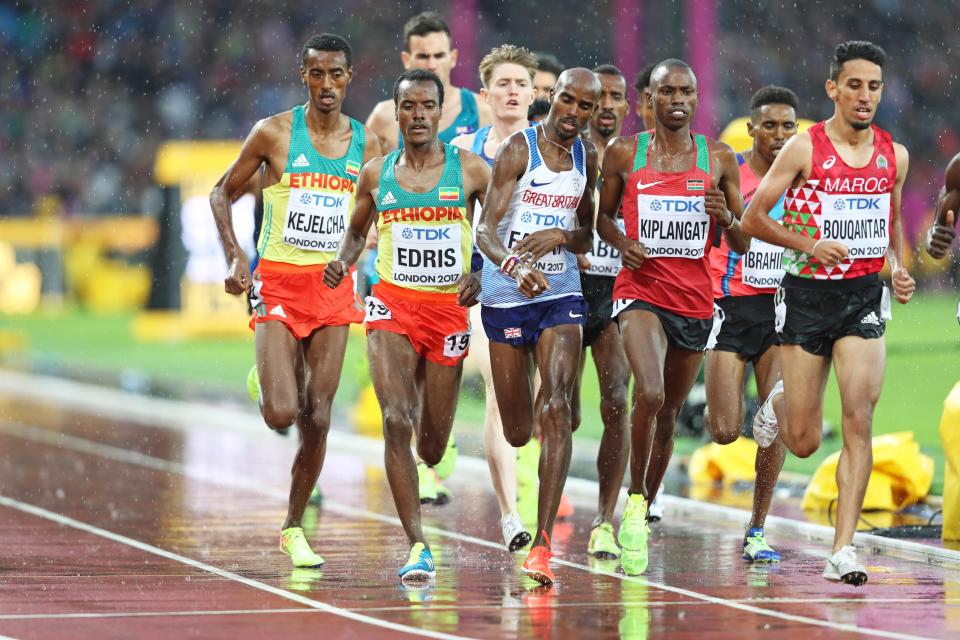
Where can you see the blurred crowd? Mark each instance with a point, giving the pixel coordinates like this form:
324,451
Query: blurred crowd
92,87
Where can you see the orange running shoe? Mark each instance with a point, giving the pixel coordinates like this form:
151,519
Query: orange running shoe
565,509
537,565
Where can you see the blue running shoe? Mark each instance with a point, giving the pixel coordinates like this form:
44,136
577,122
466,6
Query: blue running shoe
756,549
419,565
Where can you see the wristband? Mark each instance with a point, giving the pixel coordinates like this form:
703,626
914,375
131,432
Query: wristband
814,250
733,219
509,265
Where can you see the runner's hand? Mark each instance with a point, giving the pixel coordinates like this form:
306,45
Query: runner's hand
715,204
468,289
829,252
530,281
582,263
940,237
633,255
334,273
538,244
238,276
903,285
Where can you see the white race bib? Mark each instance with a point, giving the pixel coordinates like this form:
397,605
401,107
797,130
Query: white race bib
376,310
527,222
604,259
315,220
427,255
673,226
456,344
861,222
762,265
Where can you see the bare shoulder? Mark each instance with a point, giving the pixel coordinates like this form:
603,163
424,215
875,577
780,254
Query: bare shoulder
381,114
464,140
278,125
619,150
371,145
475,168
721,150
952,177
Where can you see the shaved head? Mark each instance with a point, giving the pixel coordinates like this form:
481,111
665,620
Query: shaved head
665,67
579,77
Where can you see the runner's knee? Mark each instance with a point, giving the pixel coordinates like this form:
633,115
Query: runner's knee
556,415
397,427
722,429
648,400
430,450
280,413
613,401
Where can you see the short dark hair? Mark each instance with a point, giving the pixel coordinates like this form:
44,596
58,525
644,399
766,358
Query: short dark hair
855,50
608,70
416,75
643,78
326,42
667,64
422,24
772,94
549,63
539,107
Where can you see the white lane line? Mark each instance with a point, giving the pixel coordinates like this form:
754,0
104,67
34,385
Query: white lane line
132,457
169,555
149,614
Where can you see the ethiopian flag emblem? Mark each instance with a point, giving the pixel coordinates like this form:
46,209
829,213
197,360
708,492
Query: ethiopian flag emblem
450,194
353,168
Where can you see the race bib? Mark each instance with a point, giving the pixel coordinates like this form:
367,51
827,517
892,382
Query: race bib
315,220
604,259
456,344
527,222
673,226
861,222
376,310
427,255
762,265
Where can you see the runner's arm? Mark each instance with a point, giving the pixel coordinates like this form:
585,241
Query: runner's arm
229,187
382,121
364,212
903,284
371,148
617,162
476,177
508,166
729,185
942,233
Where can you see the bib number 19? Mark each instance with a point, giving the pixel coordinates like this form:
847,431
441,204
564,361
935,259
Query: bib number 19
456,344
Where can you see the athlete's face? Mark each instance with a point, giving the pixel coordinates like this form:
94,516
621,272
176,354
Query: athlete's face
431,52
510,93
612,107
770,127
418,112
857,91
644,108
543,84
572,103
674,96
326,75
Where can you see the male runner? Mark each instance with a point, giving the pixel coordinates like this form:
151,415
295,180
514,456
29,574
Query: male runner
644,106
313,156
418,330
549,69
843,179
598,271
743,288
663,298
543,178
427,45
507,76
942,233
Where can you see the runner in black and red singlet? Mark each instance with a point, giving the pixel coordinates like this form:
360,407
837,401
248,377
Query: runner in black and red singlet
744,333
843,179
678,190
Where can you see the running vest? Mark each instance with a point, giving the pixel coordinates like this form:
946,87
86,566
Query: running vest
666,212
305,214
760,270
479,140
466,121
839,202
543,199
425,239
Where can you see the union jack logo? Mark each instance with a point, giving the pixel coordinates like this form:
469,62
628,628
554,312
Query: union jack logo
512,333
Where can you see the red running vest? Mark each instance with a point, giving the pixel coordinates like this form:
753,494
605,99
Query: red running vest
666,212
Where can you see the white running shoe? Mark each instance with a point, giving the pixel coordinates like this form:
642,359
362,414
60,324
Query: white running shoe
765,427
655,511
514,535
843,566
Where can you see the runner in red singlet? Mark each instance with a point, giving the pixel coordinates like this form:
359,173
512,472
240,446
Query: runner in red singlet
843,179
673,210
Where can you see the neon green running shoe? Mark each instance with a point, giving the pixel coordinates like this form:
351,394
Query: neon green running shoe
528,466
444,495
756,549
419,565
253,385
445,467
295,545
602,544
427,479
316,496
633,535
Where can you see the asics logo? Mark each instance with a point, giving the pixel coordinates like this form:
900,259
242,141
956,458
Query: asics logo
829,162
575,315
534,183
641,186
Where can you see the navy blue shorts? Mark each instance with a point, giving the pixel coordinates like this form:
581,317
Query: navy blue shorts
523,324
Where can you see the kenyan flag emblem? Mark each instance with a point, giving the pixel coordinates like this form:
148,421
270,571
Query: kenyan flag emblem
449,194
353,168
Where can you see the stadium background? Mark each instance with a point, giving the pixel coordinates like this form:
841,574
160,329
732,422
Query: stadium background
94,88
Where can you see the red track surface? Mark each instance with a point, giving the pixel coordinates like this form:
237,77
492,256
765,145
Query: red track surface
186,524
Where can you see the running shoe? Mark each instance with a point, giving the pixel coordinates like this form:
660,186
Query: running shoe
253,384
528,466
602,544
427,480
294,544
765,427
537,565
444,495
565,508
633,535
514,534
419,565
756,549
316,496
655,513
843,566
445,467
